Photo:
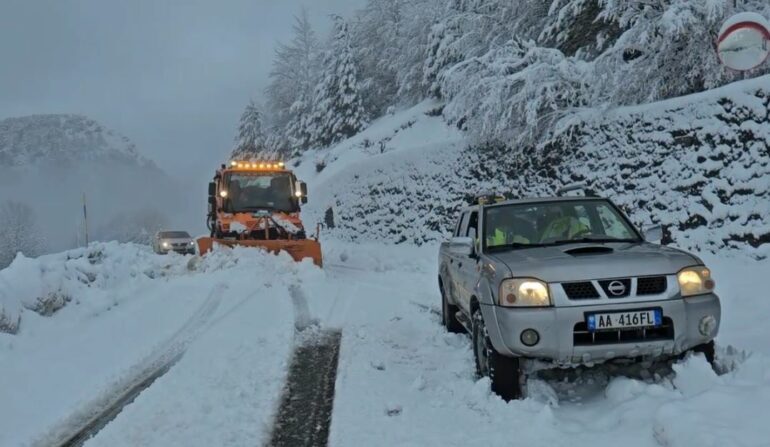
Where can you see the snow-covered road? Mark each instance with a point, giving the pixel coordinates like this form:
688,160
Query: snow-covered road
401,379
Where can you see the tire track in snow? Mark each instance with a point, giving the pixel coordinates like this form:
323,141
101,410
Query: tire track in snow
88,421
304,416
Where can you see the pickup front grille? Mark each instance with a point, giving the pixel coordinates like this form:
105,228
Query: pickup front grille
616,288
580,290
581,336
651,285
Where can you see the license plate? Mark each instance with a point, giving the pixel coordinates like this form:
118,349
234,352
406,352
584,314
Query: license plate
623,320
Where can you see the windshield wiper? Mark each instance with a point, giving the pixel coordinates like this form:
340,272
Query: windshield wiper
589,239
512,246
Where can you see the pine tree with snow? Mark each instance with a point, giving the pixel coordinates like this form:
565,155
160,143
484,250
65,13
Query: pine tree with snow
18,232
251,138
338,111
295,72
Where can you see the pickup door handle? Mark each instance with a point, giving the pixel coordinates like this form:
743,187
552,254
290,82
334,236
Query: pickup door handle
451,261
459,265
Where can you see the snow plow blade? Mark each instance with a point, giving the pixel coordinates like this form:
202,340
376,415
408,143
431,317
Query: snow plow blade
297,249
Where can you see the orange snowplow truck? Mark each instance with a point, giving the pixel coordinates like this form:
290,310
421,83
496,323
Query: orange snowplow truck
257,204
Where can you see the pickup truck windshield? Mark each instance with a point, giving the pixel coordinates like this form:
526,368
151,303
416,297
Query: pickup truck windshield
555,223
254,191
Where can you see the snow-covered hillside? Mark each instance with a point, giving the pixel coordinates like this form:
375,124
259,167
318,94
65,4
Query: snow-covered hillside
60,139
698,164
48,162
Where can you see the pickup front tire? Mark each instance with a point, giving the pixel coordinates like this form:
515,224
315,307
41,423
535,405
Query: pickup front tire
449,315
506,375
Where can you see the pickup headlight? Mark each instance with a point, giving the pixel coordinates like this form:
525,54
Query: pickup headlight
165,244
524,292
695,281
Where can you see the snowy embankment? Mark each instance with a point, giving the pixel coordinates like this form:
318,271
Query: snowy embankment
402,380
128,311
699,164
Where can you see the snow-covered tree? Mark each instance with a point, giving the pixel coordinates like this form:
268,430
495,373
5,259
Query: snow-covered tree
251,136
338,112
514,93
295,71
18,232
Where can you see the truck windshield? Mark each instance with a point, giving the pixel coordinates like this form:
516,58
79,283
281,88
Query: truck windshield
255,191
554,223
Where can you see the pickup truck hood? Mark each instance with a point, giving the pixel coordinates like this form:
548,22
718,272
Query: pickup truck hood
575,262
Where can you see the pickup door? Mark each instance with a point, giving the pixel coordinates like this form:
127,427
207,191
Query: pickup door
462,267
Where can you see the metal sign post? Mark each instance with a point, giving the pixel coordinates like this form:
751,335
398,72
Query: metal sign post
85,218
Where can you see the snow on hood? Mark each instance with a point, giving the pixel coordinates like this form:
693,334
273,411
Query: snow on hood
286,224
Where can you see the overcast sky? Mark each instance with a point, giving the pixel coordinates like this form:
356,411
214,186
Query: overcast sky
172,75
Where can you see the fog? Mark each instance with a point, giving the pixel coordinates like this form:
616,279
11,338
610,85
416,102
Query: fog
173,76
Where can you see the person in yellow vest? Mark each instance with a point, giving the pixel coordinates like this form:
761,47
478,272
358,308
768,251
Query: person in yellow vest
564,227
504,232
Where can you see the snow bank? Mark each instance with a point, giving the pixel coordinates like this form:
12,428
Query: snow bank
130,311
46,284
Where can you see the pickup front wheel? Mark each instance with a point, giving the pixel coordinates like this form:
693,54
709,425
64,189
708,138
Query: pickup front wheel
505,372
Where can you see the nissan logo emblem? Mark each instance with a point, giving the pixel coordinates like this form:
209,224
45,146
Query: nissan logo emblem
617,288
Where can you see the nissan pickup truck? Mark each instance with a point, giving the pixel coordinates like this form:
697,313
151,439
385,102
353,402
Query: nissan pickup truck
569,281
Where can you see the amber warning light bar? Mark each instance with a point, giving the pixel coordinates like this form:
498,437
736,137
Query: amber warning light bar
256,165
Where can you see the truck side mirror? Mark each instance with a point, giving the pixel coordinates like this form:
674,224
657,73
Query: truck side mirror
212,189
303,189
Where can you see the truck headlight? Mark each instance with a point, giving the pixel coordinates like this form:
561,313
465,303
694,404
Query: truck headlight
524,292
165,244
695,281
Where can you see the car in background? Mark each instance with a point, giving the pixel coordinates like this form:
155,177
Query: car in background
177,241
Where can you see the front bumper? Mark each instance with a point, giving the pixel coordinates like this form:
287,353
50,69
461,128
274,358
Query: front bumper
557,325
181,251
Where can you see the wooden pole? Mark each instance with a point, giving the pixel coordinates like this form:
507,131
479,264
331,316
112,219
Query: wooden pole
85,218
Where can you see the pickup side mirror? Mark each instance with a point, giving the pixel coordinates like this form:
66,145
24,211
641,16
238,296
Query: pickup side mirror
653,233
462,246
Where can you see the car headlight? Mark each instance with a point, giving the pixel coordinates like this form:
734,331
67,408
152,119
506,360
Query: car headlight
524,292
165,244
695,281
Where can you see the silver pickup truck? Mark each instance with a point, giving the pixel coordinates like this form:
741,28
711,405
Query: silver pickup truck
569,281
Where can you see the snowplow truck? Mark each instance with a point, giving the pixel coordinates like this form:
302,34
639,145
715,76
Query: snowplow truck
257,204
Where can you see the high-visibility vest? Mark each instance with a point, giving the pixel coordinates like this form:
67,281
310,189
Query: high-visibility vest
496,238
568,225
499,238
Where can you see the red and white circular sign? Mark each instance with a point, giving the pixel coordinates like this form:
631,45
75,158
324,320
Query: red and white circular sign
744,41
